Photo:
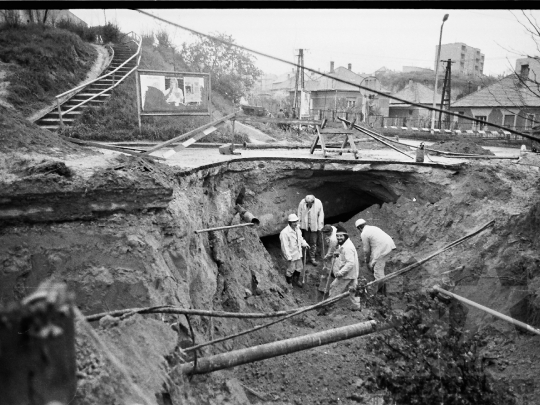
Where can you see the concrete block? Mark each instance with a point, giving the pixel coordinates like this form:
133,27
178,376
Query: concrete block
228,149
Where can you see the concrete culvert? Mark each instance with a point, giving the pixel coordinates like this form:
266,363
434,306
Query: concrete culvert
117,248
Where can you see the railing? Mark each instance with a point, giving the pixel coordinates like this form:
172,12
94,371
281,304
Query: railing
137,40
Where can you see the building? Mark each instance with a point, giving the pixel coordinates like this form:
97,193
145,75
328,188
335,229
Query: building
468,60
511,101
408,69
405,114
328,94
50,17
263,85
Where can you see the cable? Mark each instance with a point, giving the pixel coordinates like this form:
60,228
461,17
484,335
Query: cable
338,79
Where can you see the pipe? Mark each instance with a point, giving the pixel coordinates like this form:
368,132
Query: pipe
219,228
281,347
246,215
489,311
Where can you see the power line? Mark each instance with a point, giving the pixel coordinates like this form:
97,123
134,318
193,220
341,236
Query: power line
337,79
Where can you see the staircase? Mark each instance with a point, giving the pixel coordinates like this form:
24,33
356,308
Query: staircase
81,97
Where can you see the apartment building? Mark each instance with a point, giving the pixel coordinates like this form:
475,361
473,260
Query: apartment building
467,60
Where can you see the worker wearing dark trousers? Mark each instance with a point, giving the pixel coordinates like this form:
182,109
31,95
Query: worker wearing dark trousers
292,243
311,215
329,236
346,270
377,246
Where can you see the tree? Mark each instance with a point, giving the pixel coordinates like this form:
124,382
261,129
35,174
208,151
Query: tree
233,71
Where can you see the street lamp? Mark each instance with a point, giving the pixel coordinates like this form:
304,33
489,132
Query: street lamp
437,75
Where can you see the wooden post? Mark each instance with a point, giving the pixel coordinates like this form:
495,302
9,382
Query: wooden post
138,85
37,349
60,113
489,311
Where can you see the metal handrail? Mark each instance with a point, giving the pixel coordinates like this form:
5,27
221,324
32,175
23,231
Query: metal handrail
60,113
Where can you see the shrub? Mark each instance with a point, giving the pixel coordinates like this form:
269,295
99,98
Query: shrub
12,19
426,360
110,33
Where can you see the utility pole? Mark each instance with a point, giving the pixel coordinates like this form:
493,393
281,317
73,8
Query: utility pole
446,90
437,75
299,84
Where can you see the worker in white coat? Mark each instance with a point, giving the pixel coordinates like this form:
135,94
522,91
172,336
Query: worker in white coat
377,246
292,243
311,214
346,269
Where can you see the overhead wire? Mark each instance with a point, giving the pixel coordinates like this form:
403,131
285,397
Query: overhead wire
337,79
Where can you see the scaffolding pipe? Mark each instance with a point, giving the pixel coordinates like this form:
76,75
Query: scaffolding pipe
219,228
488,310
256,353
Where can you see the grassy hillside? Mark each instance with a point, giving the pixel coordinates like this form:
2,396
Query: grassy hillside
117,120
40,62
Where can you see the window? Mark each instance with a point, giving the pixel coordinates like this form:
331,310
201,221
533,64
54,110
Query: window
410,112
529,121
480,126
509,120
351,102
462,56
524,72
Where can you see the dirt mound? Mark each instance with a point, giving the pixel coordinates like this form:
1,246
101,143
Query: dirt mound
461,146
18,134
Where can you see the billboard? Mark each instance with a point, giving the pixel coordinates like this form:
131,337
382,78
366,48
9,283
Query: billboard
173,93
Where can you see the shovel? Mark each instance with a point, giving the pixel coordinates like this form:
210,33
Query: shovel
328,277
304,266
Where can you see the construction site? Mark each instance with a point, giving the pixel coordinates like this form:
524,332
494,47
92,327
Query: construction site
152,272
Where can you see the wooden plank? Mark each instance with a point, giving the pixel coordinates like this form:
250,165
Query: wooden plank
190,141
117,149
187,135
315,142
248,118
336,131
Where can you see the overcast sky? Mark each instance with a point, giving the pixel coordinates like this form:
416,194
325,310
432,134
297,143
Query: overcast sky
366,38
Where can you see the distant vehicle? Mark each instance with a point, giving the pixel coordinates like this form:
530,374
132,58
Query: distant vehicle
254,111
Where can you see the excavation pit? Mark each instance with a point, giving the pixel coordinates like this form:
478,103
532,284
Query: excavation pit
128,242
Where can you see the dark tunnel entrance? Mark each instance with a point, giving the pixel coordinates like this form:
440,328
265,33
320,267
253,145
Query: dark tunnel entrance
364,201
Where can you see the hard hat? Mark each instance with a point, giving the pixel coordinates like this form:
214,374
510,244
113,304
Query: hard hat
359,222
292,218
341,230
310,198
327,229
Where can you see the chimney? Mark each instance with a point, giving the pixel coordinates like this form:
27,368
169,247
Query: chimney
349,66
331,67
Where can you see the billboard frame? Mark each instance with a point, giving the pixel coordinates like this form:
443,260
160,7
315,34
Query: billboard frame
141,113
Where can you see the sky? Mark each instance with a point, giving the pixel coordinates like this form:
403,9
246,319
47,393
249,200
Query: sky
366,38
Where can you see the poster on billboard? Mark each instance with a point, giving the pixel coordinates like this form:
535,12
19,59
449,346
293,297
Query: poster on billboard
173,93
305,102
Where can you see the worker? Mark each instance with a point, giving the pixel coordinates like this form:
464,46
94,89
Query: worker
330,239
281,115
346,270
311,214
377,246
292,244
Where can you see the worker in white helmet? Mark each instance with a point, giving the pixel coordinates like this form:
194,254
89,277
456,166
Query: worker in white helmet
311,214
377,246
292,243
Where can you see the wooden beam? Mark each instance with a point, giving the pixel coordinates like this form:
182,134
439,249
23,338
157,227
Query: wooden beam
117,149
187,135
244,118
